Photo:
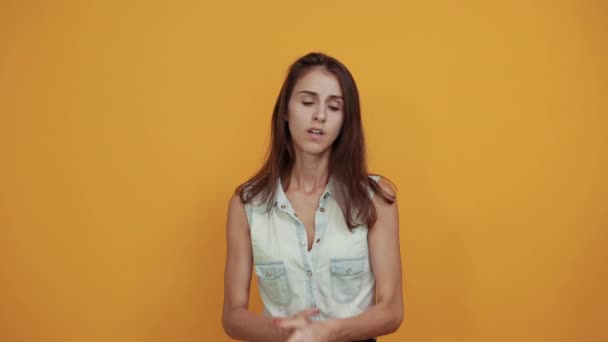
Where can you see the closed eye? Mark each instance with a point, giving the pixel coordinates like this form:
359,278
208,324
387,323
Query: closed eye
307,103
334,108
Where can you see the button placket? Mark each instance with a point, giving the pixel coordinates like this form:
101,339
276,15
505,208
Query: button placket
321,220
315,294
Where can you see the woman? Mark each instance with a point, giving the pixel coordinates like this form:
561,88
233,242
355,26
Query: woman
320,233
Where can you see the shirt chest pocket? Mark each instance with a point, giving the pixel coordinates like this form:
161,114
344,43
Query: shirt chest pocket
273,282
346,278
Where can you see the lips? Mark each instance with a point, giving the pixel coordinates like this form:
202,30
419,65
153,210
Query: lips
316,131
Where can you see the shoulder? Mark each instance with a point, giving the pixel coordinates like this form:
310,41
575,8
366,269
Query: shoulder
237,215
385,204
387,187
252,195
235,202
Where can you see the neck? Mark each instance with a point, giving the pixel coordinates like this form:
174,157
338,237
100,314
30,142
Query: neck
310,172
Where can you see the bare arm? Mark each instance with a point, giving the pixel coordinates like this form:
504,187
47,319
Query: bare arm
238,322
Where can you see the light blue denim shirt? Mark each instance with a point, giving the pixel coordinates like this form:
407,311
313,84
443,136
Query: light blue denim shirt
334,276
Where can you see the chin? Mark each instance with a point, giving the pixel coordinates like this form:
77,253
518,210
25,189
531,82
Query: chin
315,149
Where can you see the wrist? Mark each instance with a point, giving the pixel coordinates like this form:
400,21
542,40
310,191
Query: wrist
330,330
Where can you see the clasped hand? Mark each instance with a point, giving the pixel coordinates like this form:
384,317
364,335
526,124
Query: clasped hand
302,329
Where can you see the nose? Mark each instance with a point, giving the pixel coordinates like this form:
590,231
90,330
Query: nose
320,115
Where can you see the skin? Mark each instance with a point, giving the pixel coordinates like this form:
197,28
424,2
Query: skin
315,103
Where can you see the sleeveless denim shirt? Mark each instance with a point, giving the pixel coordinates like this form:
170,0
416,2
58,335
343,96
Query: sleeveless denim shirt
334,276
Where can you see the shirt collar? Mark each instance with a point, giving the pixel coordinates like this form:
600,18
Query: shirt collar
280,194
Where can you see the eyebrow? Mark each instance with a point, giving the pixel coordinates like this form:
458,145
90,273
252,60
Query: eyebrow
315,94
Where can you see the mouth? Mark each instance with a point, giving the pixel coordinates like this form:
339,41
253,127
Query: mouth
316,132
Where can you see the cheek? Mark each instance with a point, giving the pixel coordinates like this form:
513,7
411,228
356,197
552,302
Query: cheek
295,123
295,111
292,115
337,124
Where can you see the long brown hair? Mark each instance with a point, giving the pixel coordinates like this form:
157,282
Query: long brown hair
347,164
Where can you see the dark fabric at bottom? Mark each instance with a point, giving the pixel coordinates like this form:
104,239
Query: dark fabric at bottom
370,340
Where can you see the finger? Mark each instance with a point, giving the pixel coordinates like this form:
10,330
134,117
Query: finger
280,322
302,315
296,337
294,323
308,312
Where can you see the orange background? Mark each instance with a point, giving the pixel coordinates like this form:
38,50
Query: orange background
125,126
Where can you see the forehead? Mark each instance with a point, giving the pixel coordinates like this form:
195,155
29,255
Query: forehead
320,81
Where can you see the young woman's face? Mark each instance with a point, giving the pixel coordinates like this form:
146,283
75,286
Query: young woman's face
315,111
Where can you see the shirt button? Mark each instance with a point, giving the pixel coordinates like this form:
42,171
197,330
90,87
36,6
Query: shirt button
294,214
318,240
282,206
322,209
309,273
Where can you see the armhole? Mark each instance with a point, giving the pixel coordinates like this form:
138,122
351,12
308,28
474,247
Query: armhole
248,211
376,179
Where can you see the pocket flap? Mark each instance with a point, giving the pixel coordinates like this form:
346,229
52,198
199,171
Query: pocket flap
346,267
270,271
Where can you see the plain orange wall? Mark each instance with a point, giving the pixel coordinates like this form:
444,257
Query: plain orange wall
125,126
